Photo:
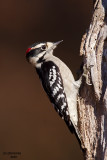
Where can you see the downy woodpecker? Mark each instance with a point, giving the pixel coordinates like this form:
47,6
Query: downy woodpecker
57,80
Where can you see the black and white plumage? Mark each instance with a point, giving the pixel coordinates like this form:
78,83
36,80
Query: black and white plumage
57,81
53,85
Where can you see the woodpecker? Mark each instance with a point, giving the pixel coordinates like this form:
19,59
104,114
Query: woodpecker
57,80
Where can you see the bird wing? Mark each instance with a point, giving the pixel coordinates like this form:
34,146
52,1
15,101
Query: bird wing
53,85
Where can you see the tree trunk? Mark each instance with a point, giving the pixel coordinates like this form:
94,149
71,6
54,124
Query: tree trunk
92,97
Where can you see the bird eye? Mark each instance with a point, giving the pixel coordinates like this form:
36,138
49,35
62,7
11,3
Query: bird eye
43,47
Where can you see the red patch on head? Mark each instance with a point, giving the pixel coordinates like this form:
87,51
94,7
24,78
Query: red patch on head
28,50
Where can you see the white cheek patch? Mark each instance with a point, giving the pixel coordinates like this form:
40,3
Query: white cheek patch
41,54
33,60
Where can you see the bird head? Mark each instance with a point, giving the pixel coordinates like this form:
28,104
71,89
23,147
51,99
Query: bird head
38,52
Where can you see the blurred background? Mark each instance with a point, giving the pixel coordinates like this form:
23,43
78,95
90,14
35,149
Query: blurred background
28,122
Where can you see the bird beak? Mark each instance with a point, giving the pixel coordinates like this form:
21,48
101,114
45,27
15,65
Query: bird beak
56,43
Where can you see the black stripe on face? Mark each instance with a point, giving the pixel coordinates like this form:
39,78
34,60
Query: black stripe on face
33,52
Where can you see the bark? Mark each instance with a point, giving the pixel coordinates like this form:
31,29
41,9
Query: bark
92,97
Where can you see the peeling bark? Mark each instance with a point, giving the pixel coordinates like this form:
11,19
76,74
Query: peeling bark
92,98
